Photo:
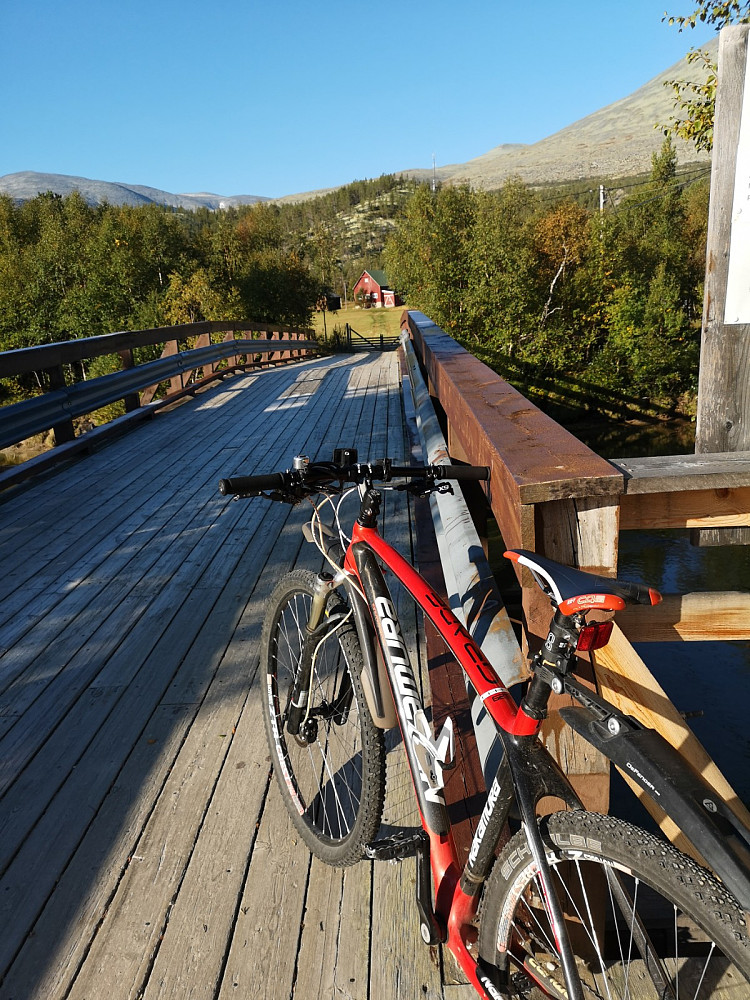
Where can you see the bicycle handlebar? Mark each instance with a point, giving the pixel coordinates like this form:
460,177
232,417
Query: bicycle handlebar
238,485
323,473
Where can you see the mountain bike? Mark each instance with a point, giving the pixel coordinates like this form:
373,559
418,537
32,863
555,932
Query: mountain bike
575,905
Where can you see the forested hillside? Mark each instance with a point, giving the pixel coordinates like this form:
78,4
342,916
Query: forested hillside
69,269
535,281
536,284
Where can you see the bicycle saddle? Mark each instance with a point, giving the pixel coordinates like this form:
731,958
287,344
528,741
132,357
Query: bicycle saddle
573,590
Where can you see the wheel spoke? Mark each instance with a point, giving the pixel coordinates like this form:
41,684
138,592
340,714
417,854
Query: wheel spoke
631,937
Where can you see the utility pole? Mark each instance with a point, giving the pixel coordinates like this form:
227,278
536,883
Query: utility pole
601,199
434,175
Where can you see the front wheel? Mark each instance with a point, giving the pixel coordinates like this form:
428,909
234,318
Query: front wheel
331,766
644,920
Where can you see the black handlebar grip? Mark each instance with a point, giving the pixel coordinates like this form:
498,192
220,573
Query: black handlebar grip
459,472
252,484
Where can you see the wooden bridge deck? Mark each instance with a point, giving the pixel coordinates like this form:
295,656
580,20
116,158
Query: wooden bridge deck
144,851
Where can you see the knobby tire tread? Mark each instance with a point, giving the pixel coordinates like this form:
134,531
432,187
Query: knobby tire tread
672,874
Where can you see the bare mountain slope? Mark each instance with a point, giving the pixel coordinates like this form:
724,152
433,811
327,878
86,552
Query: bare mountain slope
28,184
615,141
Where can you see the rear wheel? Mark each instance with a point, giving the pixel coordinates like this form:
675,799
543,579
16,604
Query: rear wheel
644,920
331,772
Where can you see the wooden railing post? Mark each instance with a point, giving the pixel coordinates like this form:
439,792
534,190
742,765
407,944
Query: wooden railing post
204,340
583,533
64,431
723,418
170,350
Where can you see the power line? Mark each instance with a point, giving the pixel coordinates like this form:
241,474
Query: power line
658,197
685,178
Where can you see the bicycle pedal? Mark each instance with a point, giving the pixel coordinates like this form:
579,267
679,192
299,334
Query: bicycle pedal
394,848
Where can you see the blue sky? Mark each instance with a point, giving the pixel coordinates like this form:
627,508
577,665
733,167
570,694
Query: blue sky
282,96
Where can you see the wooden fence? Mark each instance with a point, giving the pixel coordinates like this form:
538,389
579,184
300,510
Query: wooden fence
553,495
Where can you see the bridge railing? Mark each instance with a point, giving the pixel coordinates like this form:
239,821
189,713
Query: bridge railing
550,493
244,344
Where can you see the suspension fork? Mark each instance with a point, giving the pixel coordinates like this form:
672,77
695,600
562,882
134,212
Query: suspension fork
300,695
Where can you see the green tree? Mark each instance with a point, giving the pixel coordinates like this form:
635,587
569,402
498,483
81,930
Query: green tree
695,100
504,290
427,258
653,289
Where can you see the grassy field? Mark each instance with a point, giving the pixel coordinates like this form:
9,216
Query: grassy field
368,322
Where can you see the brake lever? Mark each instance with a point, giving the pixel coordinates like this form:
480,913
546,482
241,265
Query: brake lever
422,488
276,495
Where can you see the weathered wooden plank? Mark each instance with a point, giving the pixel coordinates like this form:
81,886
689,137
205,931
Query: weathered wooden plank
262,956
723,507
402,966
318,950
663,474
351,973
191,951
719,616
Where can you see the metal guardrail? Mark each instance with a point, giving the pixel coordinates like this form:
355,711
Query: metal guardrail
33,416
552,495
44,357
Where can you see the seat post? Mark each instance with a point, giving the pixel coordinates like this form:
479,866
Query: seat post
557,654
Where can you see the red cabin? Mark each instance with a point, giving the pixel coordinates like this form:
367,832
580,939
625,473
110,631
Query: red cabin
373,290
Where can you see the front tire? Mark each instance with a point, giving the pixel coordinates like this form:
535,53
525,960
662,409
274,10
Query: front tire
645,921
332,773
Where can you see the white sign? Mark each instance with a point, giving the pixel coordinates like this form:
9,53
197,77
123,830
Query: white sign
737,305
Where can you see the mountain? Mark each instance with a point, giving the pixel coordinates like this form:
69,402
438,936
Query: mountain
28,184
616,141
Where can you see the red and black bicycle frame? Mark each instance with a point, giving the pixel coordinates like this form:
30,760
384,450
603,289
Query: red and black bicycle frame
457,886
527,772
